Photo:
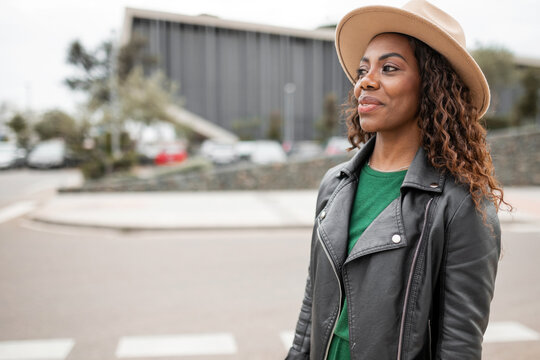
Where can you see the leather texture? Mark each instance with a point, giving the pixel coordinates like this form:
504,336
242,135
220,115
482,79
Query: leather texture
424,294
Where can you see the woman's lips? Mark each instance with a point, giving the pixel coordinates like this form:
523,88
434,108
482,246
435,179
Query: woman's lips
367,104
366,108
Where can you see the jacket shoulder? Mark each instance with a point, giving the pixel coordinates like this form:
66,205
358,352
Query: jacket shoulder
329,183
459,203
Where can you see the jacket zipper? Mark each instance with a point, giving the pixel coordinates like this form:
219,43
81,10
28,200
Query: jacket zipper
429,332
409,282
339,284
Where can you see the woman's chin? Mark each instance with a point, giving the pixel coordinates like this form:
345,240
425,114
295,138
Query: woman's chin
368,126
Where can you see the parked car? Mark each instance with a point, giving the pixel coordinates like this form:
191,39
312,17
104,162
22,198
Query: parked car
147,152
48,154
171,154
303,150
218,153
337,145
268,152
244,149
11,155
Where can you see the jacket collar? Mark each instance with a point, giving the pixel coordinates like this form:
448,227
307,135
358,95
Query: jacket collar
421,174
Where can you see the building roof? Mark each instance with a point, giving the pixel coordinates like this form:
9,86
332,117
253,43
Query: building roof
211,21
527,62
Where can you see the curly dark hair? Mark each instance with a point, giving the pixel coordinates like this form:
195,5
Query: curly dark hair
451,132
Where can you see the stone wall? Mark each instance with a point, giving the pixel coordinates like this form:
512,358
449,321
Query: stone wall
305,174
516,156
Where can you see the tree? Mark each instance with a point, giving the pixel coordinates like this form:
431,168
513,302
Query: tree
497,64
58,124
95,70
19,125
95,67
145,99
527,105
246,128
120,93
328,125
275,128
138,97
132,55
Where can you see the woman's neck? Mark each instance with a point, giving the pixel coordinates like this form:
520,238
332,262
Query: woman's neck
394,152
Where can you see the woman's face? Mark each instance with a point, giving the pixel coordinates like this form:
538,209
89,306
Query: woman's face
388,87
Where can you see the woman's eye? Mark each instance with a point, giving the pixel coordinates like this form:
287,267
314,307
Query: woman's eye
389,68
361,72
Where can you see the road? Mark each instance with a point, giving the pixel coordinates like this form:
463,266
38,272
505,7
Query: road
98,294
24,184
95,287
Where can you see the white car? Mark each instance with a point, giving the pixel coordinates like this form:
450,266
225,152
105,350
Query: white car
304,150
244,149
10,155
218,153
337,145
48,154
268,152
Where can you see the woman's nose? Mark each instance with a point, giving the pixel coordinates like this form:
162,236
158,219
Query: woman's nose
368,81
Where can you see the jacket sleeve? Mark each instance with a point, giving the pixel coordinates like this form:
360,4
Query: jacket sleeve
467,280
302,337
301,342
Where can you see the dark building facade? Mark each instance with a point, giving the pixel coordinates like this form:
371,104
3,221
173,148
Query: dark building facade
236,74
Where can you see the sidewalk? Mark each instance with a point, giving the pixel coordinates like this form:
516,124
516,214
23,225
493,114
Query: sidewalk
220,210
181,210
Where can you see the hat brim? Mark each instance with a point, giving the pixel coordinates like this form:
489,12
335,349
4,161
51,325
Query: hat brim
358,27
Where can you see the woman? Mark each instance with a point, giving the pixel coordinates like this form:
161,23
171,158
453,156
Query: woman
406,240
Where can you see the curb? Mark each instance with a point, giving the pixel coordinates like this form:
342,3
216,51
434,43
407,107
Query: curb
504,220
124,228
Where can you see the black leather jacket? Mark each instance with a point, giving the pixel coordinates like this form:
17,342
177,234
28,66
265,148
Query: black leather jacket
418,282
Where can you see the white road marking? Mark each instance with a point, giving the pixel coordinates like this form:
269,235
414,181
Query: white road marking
15,210
287,338
507,331
522,228
35,349
176,345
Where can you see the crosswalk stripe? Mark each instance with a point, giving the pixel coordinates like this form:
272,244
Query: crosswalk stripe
52,349
203,344
507,331
15,210
176,345
522,228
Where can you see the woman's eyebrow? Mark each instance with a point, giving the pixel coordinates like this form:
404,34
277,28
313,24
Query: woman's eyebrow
385,56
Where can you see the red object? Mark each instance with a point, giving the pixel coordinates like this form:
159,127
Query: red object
166,157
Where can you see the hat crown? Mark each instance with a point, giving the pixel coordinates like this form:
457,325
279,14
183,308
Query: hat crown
438,17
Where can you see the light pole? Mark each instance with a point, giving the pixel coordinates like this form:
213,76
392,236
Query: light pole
288,133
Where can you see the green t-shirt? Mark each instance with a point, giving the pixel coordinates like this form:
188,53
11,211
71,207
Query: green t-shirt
376,190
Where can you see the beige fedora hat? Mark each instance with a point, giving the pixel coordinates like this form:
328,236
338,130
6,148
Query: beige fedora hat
417,18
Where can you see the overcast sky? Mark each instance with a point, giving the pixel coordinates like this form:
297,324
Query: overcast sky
35,34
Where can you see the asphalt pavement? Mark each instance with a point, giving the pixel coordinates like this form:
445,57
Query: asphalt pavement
221,209
82,292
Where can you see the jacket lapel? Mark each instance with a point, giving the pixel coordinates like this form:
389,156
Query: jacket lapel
384,233
387,232
333,220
